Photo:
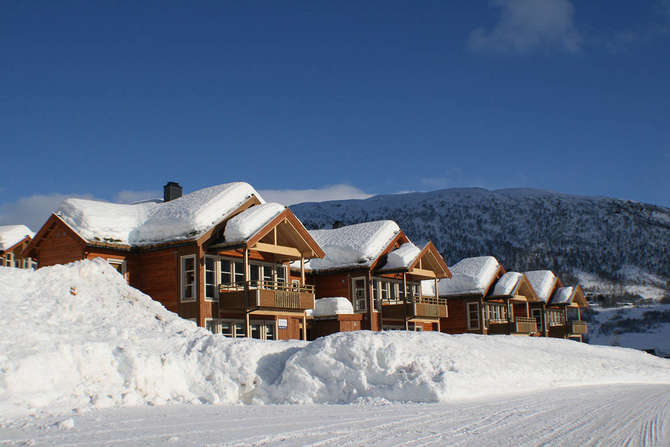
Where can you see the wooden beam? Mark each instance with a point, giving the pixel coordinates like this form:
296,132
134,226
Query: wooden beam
422,272
302,270
304,326
278,249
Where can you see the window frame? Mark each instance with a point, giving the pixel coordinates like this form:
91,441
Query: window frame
182,279
215,275
468,313
354,296
119,262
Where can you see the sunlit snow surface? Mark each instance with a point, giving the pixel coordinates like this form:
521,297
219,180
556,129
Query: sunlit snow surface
78,337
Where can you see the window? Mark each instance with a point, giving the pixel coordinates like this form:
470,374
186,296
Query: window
375,294
473,315
268,276
213,325
188,291
9,259
537,314
239,272
263,329
281,275
232,328
385,289
360,294
119,265
210,278
226,272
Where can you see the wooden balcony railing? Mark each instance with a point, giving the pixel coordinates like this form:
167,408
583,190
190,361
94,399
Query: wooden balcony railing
578,327
266,294
415,307
525,325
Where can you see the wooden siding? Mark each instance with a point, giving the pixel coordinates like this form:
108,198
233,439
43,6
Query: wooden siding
336,284
457,320
157,274
60,246
341,323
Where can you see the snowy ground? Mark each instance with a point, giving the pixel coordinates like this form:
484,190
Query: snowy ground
630,415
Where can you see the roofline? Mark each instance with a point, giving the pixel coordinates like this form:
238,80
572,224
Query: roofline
27,236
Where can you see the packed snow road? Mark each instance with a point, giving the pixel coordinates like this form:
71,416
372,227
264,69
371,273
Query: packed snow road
607,415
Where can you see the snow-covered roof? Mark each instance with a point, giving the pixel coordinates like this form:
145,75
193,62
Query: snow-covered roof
507,284
356,245
10,235
246,224
563,295
402,257
470,276
543,282
187,217
326,307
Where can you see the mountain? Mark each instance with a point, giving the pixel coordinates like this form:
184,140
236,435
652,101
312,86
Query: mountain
612,247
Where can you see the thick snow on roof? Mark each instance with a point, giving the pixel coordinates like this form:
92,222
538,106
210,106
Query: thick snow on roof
402,257
506,284
470,276
353,245
246,224
563,295
145,223
10,235
543,282
326,307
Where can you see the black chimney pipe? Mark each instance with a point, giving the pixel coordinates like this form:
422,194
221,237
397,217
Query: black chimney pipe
171,191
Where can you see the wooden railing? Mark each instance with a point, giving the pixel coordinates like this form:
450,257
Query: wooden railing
578,327
415,306
266,294
525,325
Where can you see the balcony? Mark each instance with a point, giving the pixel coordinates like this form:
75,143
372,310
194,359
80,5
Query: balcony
578,327
525,325
520,325
266,295
415,307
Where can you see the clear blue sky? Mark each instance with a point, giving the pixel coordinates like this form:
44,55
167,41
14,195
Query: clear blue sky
102,97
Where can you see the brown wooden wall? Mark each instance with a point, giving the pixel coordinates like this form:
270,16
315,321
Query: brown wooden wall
156,273
60,247
342,323
336,284
457,321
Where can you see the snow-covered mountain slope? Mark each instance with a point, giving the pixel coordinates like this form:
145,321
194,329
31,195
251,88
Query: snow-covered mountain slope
612,246
75,337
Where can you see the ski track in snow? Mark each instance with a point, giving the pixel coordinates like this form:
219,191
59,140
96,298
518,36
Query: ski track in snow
621,415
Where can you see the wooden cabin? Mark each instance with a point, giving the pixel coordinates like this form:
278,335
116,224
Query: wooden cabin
545,283
218,256
466,292
569,302
378,269
510,302
14,239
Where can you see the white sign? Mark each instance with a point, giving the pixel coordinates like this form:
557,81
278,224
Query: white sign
282,323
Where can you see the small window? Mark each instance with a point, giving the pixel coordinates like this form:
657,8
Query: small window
188,282
9,259
281,275
213,325
537,314
268,276
473,315
210,278
119,265
226,272
239,273
360,294
255,274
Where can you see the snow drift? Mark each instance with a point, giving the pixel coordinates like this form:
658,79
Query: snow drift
77,336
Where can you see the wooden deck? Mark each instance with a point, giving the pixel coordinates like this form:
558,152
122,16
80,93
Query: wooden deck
266,296
572,328
520,325
416,307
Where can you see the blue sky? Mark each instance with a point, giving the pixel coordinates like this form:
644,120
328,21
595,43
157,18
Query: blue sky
111,99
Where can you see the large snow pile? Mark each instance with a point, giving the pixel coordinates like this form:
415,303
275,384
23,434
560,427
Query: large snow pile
76,337
543,282
246,224
353,245
507,284
402,257
328,307
10,235
470,276
144,223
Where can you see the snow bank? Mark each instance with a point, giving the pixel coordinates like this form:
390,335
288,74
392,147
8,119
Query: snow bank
144,223
353,245
543,282
326,307
507,284
402,257
470,276
246,224
10,235
76,337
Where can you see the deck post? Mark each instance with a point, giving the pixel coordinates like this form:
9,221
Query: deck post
246,293
579,313
304,326
404,299
302,271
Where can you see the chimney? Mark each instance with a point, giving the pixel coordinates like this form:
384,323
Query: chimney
171,191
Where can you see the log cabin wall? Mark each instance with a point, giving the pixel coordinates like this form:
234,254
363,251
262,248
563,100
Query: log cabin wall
457,321
156,273
60,246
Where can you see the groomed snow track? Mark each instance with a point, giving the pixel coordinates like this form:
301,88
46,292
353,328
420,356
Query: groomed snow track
607,415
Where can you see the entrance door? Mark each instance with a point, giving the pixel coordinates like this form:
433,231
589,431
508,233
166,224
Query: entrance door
263,329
